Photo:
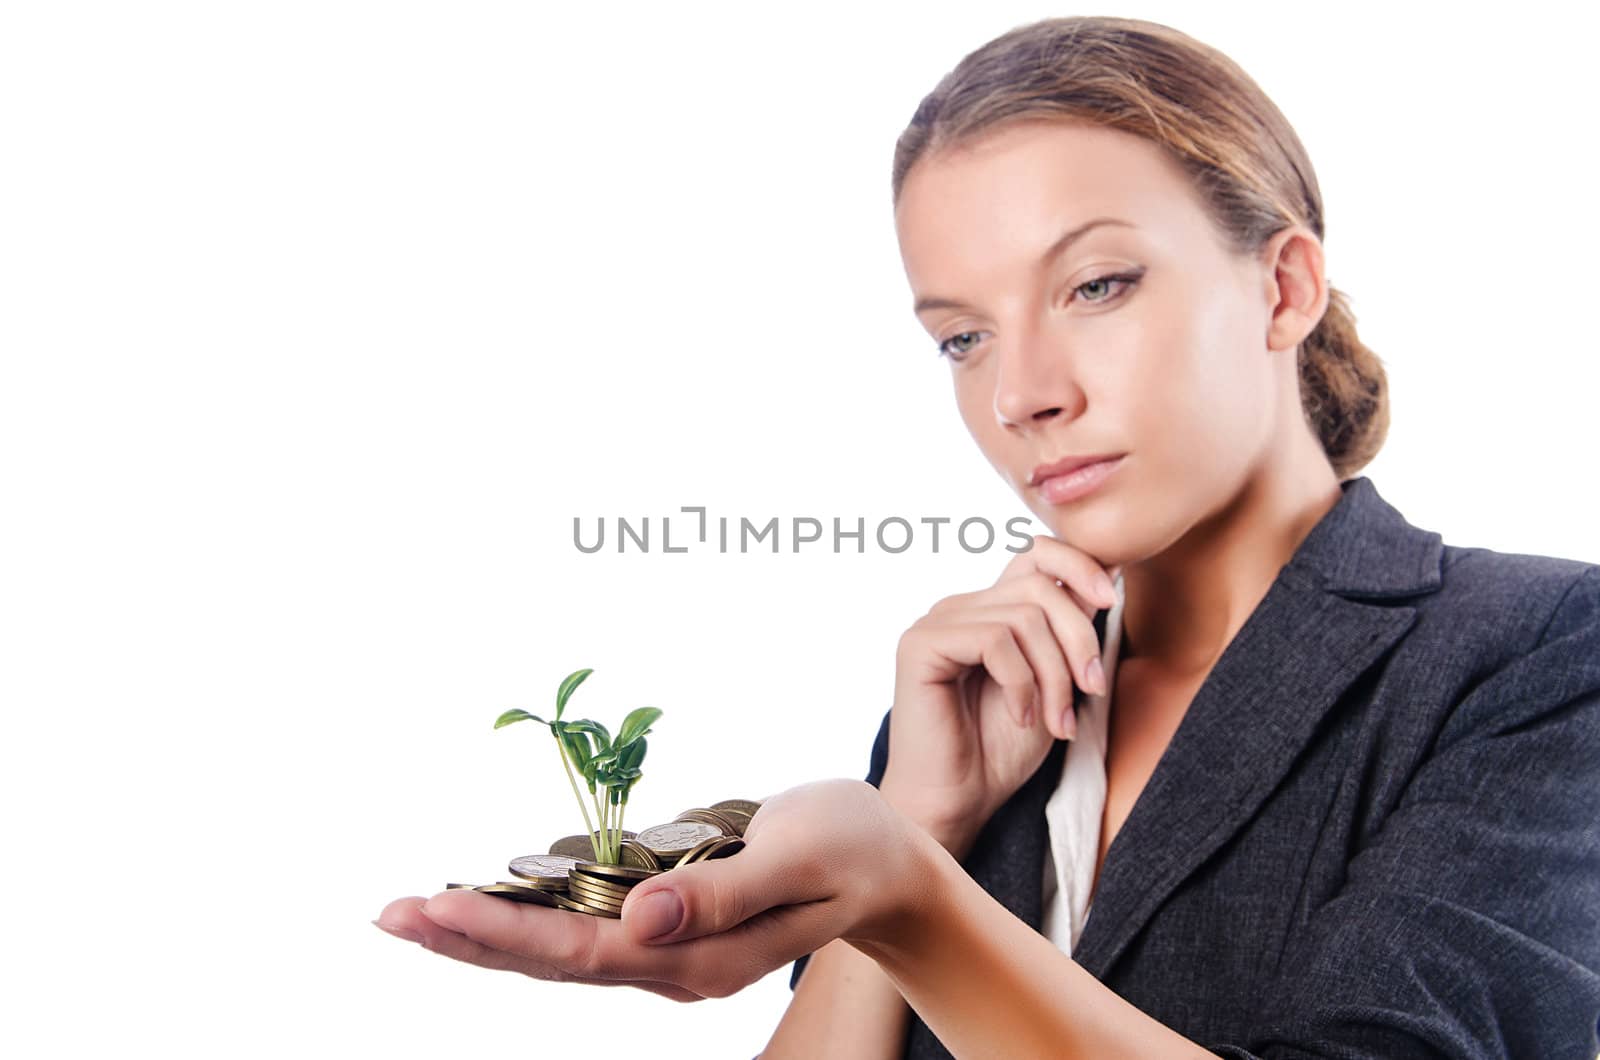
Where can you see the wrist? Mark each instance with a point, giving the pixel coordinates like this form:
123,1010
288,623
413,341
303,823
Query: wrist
954,832
911,897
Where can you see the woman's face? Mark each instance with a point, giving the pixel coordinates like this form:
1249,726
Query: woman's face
1145,338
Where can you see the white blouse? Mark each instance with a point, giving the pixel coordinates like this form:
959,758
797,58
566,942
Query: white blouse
1072,816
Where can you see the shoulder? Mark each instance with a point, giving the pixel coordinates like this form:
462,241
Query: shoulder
1516,637
1507,603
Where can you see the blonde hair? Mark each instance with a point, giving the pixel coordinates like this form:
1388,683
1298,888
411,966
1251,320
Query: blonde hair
1245,161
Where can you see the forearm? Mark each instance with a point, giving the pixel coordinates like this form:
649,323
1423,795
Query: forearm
988,985
844,1006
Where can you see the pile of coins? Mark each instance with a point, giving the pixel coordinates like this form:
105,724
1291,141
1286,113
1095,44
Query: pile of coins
566,878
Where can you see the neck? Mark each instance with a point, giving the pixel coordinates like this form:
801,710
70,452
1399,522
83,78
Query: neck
1183,606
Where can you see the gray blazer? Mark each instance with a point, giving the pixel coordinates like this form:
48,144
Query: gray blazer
1376,832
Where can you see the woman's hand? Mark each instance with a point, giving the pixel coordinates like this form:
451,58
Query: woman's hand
984,683
825,860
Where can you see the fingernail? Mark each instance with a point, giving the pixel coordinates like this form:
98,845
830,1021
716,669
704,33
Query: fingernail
1069,724
400,932
1097,677
658,914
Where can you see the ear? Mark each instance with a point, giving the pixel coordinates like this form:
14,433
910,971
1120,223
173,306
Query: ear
1296,286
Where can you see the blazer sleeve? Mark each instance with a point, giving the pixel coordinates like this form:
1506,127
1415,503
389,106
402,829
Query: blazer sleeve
1470,925
875,767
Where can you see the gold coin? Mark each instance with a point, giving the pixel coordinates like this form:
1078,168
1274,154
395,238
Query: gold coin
588,889
578,846
517,892
613,872
636,855
739,820
600,883
677,838
744,806
597,903
563,902
721,847
726,826
596,895
460,886
580,905
546,870
725,850
701,848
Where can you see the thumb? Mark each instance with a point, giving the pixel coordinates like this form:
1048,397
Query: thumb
708,897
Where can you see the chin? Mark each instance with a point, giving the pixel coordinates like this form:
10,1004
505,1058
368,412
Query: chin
1099,531
1087,535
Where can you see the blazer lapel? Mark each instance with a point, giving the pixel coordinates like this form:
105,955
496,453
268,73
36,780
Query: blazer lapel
1308,640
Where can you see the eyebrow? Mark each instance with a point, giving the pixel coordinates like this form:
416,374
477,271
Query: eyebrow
1065,240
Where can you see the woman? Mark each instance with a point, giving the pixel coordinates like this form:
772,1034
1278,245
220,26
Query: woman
1343,802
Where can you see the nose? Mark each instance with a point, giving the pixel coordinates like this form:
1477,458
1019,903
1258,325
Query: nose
1033,380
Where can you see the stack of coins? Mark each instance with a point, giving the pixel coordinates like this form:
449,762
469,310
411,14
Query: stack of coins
567,878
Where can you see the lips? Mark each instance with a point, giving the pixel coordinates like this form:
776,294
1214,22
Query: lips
1071,463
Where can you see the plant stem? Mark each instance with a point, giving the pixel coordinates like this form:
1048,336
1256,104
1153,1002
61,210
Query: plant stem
599,815
616,830
562,751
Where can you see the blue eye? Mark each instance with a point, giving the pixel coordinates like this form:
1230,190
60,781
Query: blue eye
1126,279
944,352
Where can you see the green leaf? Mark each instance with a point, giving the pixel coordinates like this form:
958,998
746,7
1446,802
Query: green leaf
632,755
568,684
577,748
511,717
601,734
637,723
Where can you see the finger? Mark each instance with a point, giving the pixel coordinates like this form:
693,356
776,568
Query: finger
939,650
1042,645
600,951
994,646
710,897
1075,569
721,964
780,936
575,945
1073,628
461,948
404,918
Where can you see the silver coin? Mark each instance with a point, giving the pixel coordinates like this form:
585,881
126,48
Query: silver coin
676,838
546,869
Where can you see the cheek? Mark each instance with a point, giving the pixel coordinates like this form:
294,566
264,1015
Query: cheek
1200,384
975,403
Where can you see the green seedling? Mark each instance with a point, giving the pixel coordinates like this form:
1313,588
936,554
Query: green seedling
610,767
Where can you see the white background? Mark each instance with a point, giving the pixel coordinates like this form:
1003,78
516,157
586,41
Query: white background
321,322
